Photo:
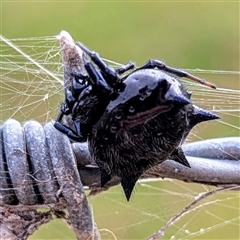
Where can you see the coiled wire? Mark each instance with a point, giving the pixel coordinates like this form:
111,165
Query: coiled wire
37,166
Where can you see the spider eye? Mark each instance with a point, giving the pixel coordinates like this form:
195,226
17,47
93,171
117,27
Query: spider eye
82,82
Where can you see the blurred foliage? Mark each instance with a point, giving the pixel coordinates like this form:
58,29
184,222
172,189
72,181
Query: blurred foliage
188,35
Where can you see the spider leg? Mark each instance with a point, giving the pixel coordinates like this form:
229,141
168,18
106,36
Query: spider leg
96,78
105,177
109,72
68,107
66,130
125,68
180,73
69,102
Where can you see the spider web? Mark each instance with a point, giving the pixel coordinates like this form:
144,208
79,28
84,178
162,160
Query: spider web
31,88
31,78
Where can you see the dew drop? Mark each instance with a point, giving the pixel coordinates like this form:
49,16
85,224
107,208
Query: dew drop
105,138
131,109
118,116
113,128
159,134
142,97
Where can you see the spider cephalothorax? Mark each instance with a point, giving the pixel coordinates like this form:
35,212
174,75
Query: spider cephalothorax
132,122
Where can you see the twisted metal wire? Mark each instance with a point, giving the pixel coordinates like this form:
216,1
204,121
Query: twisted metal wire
37,166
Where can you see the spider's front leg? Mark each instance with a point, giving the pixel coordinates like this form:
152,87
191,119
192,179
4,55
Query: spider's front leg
66,109
68,131
153,63
109,73
98,82
125,68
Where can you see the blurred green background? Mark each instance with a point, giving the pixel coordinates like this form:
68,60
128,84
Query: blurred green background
188,35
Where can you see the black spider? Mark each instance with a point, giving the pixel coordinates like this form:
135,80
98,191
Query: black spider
132,122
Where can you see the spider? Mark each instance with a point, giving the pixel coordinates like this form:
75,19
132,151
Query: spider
131,121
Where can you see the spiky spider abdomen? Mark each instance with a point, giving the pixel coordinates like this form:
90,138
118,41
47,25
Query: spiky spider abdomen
145,125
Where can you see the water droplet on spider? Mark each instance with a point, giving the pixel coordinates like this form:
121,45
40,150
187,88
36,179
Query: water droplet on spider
101,145
113,128
118,116
148,92
105,138
131,109
142,97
